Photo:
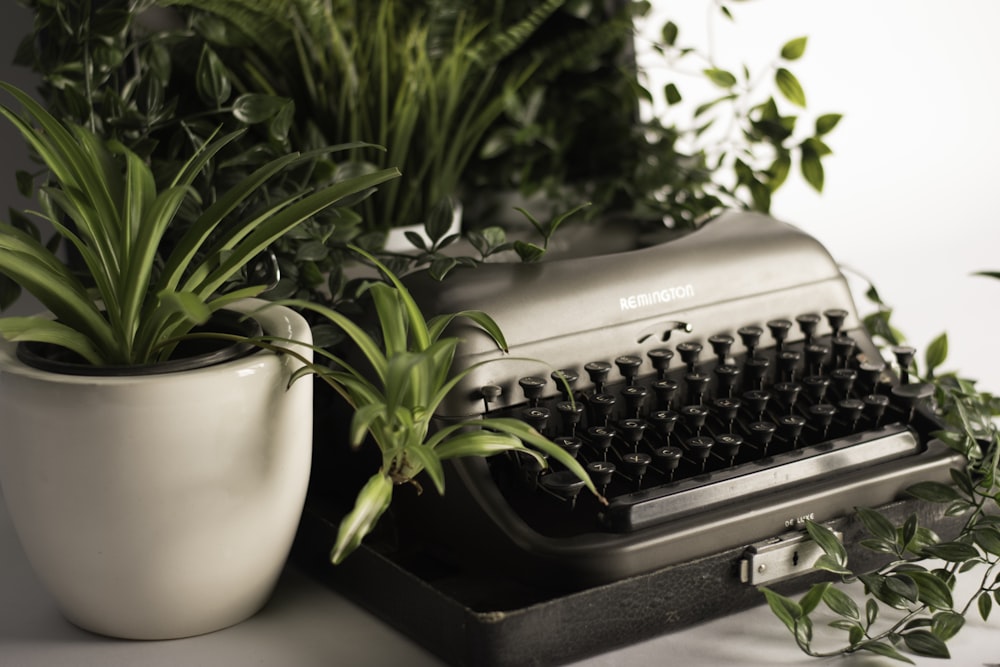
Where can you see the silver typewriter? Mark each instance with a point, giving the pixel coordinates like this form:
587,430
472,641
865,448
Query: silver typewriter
719,388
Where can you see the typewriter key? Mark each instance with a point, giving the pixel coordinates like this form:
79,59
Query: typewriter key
850,409
665,391
660,358
756,369
694,417
598,373
668,459
835,317
788,393
843,381
815,387
600,438
721,344
904,357
699,448
779,332
635,397
790,428
571,413
690,351
563,484
632,430
537,418
727,445
532,388
725,379
815,357
664,422
821,415
635,463
761,433
788,363
601,406
570,443
628,366
727,409
697,383
875,405
601,473
756,401
565,378
843,348
751,339
807,325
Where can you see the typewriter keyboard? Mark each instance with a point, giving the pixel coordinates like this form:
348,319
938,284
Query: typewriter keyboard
687,427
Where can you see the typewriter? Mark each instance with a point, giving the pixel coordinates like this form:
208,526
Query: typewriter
719,388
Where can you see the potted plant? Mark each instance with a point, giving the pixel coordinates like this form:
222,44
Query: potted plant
153,502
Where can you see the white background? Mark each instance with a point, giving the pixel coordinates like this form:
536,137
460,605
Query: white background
910,195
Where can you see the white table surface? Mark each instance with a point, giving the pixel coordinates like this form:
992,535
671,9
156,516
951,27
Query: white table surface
307,624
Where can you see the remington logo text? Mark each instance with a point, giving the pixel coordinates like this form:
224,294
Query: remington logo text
664,295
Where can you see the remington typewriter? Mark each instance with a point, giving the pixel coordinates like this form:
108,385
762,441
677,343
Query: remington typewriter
720,390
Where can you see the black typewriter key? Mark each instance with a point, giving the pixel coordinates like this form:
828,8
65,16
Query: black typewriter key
870,374
666,391
490,393
835,318
699,448
635,465
668,459
635,398
779,332
529,468
815,387
821,416
565,378
815,358
601,407
726,376
601,473
761,433
532,388
850,409
664,422
690,351
788,393
537,418
790,428
843,348
909,396
842,380
807,325
756,401
632,430
628,366
570,443
756,370
600,438
694,417
697,384
563,484
598,372
570,412
751,339
726,410
660,358
904,357
788,363
875,406
721,344
727,445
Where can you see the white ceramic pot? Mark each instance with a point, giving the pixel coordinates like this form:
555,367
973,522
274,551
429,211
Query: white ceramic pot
159,506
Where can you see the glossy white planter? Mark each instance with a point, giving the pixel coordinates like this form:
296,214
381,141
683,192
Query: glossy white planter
156,507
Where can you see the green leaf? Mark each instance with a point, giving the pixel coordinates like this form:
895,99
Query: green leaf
252,108
947,624
812,168
720,77
903,586
932,590
528,252
985,605
813,597
876,524
672,94
790,87
826,122
828,542
936,353
669,33
841,603
953,552
925,643
934,492
793,49
786,609
371,502
885,650
211,79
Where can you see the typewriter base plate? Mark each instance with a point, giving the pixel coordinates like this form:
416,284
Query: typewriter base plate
469,619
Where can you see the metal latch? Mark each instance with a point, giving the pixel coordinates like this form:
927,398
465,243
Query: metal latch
782,557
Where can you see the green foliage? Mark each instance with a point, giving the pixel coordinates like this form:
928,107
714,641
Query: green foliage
104,201
910,602
395,396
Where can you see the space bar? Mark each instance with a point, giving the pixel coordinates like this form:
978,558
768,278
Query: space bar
655,505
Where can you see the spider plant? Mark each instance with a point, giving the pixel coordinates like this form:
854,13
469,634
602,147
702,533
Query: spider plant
394,400
104,201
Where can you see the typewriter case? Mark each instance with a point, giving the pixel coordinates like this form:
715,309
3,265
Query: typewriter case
482,579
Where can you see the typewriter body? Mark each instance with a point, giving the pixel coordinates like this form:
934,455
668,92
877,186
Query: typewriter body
719,388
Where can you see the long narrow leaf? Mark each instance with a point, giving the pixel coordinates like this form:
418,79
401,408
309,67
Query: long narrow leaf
44,330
